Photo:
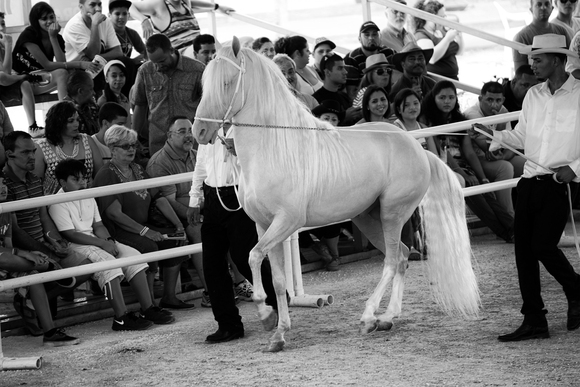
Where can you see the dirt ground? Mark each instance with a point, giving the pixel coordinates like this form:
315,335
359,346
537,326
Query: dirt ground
324,348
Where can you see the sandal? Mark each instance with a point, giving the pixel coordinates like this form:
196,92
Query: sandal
28,315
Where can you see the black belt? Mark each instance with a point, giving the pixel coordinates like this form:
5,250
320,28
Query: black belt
223,191
544,177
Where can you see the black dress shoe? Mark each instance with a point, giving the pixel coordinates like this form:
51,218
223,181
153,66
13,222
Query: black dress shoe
526,332
573,315
221,336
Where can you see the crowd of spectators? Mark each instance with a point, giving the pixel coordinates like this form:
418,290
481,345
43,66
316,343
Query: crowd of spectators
140,126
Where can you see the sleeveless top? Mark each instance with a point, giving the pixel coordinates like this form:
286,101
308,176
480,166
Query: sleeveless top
182,29
51,185
447,65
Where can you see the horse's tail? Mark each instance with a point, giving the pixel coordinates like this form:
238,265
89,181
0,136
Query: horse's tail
451,274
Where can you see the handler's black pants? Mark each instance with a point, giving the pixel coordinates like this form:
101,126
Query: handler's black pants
224,231
542,211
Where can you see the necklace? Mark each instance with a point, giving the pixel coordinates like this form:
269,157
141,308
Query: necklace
127,174
60,152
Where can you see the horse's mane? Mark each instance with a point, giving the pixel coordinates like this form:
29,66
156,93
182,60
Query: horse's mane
312,158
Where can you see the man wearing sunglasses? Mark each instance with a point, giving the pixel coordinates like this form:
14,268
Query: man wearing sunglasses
540,25
564,18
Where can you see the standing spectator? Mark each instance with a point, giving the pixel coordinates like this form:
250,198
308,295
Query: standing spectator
542,207
540,25
355,61
412,62
395,35
80,91
378,71
446,43
40,47
296,47
264,46
204,48
64,141
110,114
322,48
213,188
128,38
16,86
168,85
173,18
565,17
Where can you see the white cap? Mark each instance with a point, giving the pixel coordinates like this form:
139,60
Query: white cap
110,63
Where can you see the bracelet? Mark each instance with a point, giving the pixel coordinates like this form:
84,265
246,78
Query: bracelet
144,231
216,6
15,251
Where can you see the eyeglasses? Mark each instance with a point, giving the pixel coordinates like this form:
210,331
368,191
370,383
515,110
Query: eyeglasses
182,131
131,145
382,71
568,1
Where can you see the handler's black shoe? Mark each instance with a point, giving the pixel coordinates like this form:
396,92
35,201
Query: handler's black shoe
526,332
222,336
573,315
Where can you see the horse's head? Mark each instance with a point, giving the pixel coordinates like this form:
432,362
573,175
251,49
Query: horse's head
222,96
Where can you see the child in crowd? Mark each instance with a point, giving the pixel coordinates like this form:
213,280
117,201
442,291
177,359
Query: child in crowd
115,76
80,223
407,105
110,114
17,263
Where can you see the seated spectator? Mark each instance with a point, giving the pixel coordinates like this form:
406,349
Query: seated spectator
288,68
18,263
440,107
330,111
115,76
296,47
264,46
502,164
110,114
204,48
140,218
5,128
355,61
378,72
412,62
16,87
565,17
446,43
407,106
64,141
375,105
515,90
80,223
540,25
178,156
395,35
129,39
334,81
322,48
40,48
80,92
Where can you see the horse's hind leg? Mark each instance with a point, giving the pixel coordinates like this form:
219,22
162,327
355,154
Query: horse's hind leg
385,321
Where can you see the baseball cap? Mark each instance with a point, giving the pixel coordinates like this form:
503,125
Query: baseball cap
119,4
324,40
367,26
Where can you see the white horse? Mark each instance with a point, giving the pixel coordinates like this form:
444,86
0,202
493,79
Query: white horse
299,171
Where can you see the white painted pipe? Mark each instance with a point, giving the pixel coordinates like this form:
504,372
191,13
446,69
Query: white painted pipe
21,363
296,266
464,125
329,299
307,301
490,187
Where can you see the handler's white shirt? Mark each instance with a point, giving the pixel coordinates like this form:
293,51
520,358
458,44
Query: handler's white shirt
216,167
77,35
548,128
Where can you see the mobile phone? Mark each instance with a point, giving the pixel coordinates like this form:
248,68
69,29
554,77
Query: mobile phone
175,236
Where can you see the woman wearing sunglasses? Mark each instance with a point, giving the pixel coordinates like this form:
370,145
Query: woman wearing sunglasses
139,218
378,72
64,141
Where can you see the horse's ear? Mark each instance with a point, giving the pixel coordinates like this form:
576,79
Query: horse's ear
236,46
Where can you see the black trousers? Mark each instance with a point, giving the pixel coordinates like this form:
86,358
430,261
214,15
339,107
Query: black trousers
224,231
542,211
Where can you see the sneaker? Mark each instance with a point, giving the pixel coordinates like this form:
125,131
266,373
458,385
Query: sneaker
415,255
36,131
321,249
244,291
205,301
333,265
131,322
58,338
157,315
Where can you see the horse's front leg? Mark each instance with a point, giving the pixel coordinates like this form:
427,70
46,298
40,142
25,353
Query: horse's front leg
266,312
385,320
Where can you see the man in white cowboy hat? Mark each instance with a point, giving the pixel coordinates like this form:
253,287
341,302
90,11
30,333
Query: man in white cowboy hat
395,35
549,132
540,25
412,62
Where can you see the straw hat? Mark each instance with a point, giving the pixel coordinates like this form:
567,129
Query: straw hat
549,44
409,48
375,61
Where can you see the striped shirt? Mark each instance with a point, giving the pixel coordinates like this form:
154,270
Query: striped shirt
182,29
28,219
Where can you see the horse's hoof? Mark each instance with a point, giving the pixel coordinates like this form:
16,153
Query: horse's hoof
368,327
276,346
271,321
384,326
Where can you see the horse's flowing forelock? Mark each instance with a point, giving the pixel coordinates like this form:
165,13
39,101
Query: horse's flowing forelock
312,158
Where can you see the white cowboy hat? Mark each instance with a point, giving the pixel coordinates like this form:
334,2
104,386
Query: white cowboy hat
549,44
